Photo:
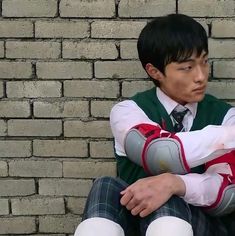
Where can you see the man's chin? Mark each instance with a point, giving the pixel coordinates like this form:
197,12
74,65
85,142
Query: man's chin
198,98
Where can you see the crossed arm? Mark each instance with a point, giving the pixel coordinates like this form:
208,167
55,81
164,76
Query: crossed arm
146,195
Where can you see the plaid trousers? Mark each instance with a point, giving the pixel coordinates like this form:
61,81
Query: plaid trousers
104,201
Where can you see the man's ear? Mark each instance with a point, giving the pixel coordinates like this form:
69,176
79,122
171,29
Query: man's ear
153,72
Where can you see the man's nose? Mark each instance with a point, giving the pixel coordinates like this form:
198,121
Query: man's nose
201,74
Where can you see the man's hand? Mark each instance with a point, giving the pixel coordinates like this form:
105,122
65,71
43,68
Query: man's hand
148,194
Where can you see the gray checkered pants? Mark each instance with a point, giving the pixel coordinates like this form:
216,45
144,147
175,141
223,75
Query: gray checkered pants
104,201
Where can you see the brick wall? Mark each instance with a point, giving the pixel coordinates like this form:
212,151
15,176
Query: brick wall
63,64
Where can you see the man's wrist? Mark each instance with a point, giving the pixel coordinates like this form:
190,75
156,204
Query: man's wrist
178,185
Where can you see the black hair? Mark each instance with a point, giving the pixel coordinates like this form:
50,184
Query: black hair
171,38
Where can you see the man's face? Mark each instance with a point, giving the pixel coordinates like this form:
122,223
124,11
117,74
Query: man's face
186,81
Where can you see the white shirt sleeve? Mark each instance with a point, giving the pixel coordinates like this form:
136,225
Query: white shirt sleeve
229,118
212,140
202,189
123,117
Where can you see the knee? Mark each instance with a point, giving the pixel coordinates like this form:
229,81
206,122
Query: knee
104,199
168,226
98,226
105,190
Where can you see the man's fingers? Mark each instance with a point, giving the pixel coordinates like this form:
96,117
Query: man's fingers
132,204
126,198
148,209
137,209
145,212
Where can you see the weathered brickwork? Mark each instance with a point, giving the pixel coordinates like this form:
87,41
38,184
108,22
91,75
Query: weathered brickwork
63,65
29,8
34,50
16,29
61,29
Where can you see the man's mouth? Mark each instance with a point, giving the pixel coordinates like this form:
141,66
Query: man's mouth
199,89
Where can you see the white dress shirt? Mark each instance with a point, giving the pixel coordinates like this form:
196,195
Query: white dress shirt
199,146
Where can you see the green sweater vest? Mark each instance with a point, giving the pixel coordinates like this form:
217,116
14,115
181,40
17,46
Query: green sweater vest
210,111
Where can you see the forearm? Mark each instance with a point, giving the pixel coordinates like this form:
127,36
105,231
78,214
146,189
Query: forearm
160,151
207,144
201,189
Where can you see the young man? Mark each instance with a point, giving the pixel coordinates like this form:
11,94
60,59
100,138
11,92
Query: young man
164,184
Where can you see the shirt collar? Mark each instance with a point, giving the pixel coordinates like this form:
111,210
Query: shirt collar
170,104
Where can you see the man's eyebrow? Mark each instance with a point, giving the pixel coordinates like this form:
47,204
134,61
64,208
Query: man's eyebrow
186,60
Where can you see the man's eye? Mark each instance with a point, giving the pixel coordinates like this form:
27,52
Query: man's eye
186,68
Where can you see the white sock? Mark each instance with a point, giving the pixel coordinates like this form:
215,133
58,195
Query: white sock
98,226
169,226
